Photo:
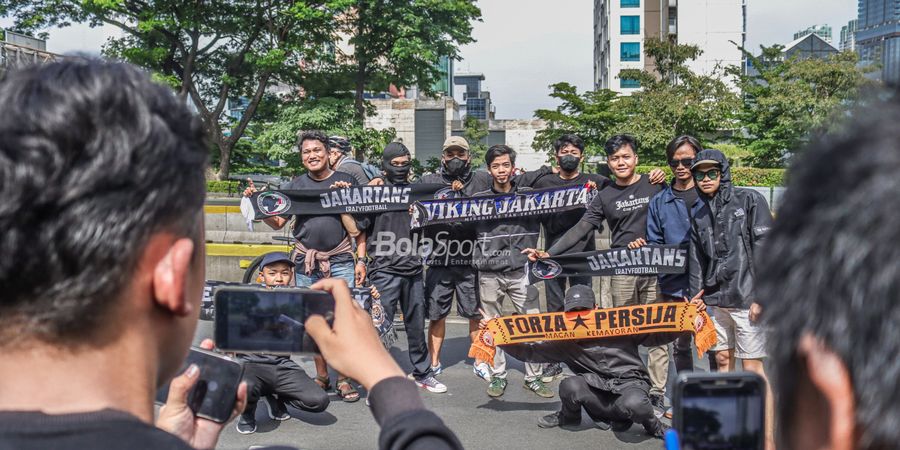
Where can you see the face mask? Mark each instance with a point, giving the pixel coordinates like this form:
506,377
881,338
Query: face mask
569,162
397,174
456,167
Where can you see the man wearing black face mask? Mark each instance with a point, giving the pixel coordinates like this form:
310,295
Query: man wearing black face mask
396,270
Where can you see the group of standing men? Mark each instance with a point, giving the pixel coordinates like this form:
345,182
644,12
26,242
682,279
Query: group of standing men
699,209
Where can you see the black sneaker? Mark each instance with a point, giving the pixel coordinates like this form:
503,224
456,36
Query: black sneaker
656,428
247,423
658,401
553,421
621,425
277,409
551,372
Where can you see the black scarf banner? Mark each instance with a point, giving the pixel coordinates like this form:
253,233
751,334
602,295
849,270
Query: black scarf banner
501,206
353,200
647,260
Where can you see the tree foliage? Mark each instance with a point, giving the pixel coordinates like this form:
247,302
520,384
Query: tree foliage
787,99
476,133
674,100
592,115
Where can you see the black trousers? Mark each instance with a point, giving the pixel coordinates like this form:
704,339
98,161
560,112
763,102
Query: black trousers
409,291
681,349
631,404
290,384
556,288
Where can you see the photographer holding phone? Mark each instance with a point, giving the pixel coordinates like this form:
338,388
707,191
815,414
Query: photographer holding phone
102,180
271,375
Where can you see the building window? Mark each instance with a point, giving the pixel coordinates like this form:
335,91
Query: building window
630,3
631,24
629,83
631,51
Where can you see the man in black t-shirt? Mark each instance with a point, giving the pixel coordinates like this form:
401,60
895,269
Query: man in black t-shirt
623,205
325,237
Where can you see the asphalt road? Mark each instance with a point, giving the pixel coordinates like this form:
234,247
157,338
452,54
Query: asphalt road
479,421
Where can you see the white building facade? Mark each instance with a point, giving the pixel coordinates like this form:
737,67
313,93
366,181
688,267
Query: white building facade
621,27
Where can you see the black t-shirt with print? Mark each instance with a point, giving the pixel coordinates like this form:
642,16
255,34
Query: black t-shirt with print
556,225
321,232
624,208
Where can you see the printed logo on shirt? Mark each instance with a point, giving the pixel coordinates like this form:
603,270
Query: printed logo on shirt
272,203
739,213
632,203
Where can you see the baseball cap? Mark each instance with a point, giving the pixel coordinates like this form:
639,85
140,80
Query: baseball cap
705,161
456,141
579,297
276,257
339,142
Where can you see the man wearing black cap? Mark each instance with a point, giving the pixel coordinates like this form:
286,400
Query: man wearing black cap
611,381
271,376
397,274
340,159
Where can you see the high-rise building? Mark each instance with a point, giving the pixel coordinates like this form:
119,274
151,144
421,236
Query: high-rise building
848,36
475,101
621,26
823,31
878,37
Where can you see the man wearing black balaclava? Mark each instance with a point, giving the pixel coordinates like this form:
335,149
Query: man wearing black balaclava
396,269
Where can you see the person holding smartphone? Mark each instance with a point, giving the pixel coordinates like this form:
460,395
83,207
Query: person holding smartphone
281,380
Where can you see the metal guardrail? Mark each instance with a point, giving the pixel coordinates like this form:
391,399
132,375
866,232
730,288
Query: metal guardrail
12,55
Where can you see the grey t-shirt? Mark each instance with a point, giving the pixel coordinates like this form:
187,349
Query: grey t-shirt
322,232
624,208
354,168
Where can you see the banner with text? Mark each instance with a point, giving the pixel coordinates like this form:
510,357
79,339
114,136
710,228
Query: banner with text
595,324
352,200
647,260
501,206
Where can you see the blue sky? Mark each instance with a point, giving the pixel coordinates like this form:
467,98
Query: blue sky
526,45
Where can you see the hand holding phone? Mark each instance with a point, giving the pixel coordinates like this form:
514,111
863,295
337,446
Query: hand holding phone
720,410
177,417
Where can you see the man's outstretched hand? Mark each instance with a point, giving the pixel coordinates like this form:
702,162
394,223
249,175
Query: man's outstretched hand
351,346
535,254
177,418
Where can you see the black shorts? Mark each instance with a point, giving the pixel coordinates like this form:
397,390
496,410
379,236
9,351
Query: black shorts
440,285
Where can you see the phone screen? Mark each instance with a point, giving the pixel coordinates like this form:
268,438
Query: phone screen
215,393
260,320
722,414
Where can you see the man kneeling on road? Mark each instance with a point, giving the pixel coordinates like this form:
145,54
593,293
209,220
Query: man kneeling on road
611,381
279,376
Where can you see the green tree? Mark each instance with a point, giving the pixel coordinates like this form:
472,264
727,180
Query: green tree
592,115
476,133
787,99
400,42
673,100
210,52
333,115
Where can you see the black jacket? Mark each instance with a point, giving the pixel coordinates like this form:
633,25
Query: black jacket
499,243
608,364
726,233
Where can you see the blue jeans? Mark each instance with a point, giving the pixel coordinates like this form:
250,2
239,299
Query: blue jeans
342,270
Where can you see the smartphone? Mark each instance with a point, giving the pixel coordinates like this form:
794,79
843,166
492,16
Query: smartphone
720,411
215,393
255,319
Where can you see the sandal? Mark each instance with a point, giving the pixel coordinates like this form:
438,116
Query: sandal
324,382
345,390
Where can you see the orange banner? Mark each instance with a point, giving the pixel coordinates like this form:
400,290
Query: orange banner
595,324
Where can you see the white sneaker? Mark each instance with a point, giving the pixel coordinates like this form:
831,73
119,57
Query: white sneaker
432,385
483,371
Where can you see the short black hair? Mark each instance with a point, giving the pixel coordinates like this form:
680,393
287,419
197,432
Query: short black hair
678,142
94,159
498,150
830,268
314,135
568,139
618,141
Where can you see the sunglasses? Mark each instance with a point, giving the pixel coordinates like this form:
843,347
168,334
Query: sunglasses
712,174
686,162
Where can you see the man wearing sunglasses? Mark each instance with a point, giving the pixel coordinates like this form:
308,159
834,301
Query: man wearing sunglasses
728,225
